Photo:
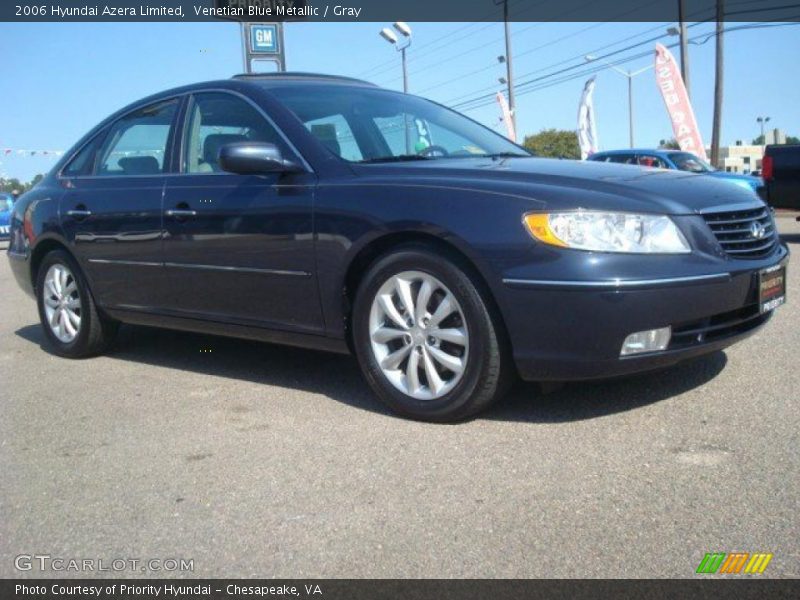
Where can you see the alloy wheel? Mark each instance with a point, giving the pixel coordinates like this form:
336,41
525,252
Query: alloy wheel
419,335
62,303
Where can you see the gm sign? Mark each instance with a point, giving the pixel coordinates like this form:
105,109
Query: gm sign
264,39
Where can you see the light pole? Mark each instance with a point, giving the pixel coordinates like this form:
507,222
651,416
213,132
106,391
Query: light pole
763,121
400,44
630,75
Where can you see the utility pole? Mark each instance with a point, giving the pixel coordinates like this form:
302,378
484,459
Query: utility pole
684,38
512,105
715,133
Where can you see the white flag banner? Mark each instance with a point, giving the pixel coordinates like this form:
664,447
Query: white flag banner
587,128
506,116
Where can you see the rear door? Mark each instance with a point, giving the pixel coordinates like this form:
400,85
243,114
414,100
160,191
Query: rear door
239,248
112,208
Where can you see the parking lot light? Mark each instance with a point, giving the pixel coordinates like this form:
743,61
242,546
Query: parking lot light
388,35
629,75
401,45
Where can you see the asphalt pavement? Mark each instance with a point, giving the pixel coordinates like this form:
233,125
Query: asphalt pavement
257,460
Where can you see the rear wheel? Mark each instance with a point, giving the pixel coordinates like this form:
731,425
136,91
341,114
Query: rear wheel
71,322
425,337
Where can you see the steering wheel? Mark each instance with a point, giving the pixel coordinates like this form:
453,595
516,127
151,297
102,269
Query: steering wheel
433,150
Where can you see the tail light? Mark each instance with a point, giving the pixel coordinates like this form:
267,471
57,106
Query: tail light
766,168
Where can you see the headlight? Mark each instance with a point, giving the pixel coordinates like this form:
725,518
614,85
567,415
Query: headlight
608,232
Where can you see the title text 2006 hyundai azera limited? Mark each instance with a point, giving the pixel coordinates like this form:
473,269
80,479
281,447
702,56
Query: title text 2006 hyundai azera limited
326,212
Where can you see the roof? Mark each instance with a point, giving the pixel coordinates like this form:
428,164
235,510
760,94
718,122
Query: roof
295,76
640,150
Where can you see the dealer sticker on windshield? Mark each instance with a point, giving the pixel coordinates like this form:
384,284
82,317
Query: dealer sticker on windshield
772,287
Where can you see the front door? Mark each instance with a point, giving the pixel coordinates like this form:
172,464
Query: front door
239,248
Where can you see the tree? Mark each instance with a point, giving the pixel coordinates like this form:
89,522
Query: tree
9,185
14,184
554,143
669,144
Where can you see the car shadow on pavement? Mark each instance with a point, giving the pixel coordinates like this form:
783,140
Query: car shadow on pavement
338,377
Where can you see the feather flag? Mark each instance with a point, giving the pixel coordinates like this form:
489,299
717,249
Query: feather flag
587,127
676,99
506,116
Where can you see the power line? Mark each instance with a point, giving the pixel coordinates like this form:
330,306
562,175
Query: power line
439,61
625,60
544,46
459,103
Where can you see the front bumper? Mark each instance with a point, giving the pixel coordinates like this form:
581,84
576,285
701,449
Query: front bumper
563,329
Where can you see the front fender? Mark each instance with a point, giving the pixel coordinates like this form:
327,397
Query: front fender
350,216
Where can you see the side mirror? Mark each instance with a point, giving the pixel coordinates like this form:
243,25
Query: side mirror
254,158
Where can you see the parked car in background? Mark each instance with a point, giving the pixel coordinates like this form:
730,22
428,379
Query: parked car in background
326,212
780,170
675,159
6,204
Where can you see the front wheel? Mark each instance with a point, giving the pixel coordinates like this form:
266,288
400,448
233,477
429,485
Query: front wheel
425,337
70,319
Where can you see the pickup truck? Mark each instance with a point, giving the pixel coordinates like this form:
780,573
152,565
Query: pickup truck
780,170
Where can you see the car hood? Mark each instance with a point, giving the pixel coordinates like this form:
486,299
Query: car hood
578,184
737,178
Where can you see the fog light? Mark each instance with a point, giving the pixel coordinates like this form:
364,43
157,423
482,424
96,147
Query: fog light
652,340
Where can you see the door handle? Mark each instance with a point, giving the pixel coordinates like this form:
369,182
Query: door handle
181,211
79,212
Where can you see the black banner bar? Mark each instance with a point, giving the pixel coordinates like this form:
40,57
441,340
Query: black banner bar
385,10
741,588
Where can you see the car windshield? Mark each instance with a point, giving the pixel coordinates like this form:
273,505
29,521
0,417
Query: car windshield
689,162
369,125
6,202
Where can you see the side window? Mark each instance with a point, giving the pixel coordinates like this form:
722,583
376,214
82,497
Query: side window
83,162
335,134
137,143
625,159
216,119
648,160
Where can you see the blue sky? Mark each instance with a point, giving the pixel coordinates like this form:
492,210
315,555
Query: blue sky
60,79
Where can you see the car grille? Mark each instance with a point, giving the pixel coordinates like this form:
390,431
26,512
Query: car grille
735,232
718,327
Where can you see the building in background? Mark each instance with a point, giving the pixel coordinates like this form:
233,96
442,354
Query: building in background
741,158
776,136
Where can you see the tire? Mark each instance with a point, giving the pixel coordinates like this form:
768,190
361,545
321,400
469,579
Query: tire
474,347
63,295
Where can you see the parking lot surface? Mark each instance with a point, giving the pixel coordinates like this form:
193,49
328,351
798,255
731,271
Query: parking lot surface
260,460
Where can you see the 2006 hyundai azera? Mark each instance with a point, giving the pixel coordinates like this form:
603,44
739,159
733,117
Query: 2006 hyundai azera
326,212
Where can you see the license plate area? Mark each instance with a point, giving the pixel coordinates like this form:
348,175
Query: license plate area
771,288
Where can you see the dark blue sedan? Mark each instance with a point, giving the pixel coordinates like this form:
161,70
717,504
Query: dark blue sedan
326,212
675,159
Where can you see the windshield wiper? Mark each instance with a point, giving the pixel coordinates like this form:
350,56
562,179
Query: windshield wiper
398,158
506,155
